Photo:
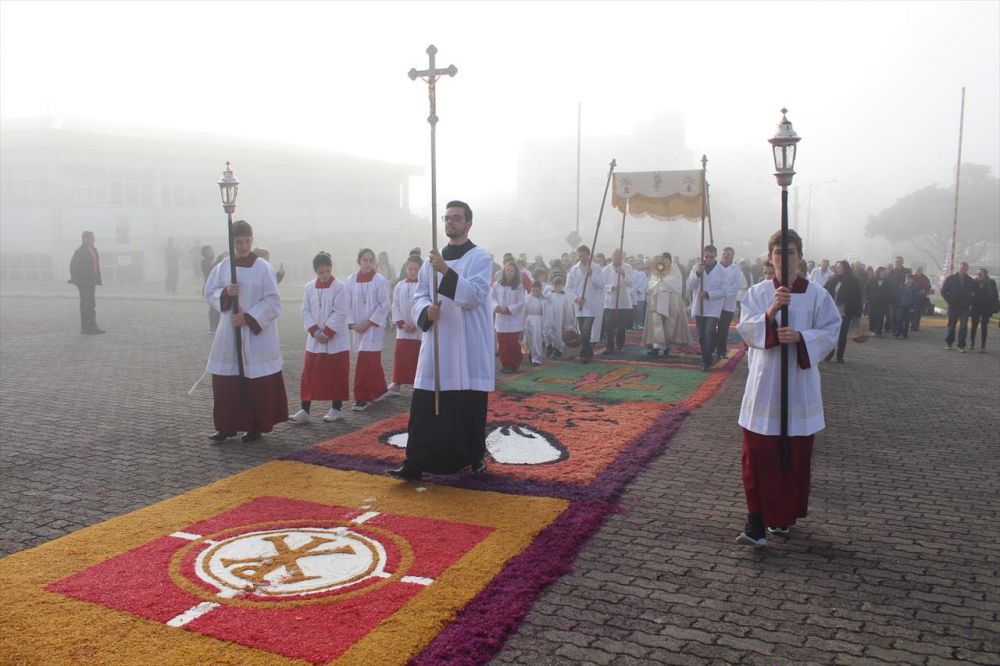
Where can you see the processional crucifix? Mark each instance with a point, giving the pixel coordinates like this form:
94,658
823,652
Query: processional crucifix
431,75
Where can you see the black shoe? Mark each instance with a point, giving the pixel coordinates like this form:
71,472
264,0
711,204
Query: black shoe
608,352
251,437
653,352
753,533
780,531
478,467
556,353
221,436
98,331
840,360
86,332
404,473
585,360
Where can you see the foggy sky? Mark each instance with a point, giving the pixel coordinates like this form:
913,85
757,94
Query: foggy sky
873,88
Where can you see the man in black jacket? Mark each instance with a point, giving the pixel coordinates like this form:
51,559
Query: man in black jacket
958,291
85,273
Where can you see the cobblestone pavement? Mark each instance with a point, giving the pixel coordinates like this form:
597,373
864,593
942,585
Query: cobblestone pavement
896,563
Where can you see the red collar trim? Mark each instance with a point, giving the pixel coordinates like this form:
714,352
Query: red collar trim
364,277
324,285
247,261
409,280
798,287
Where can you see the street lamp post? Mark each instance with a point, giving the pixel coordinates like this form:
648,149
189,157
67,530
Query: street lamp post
783,145
228,187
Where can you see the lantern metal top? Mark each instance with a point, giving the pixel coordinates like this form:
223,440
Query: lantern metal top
785,134
228,187
783,146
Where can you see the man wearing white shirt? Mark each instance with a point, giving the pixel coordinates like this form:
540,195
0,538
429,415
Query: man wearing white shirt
819,275
619,281
588,299
735,283
707,286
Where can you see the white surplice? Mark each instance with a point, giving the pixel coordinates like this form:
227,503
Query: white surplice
511,298
717,285
326,308
814,315
534,318
465,328
258,298
402,309
593,305
370,301
559,317
626,286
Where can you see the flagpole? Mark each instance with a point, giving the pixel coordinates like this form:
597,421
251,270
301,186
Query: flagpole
621,257
597,229
700,255
958,173
579,111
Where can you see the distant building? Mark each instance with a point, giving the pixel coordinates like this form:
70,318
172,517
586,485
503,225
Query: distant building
137,187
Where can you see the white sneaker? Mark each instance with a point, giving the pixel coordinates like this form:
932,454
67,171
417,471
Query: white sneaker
333,415
382,397
301,416
393,389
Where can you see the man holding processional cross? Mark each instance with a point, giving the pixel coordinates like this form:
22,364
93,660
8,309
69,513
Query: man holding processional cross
451,305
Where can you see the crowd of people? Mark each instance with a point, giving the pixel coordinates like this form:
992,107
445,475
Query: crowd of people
479,309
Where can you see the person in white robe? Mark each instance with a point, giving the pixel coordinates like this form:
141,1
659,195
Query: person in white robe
585,283
666,317
327,365
255,402
639,290
559,317
408,335
775,474
707,286
508,297
619,281
534,323
370,306
463,316
736,284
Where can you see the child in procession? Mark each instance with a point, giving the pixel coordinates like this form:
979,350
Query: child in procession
534,318
370,305
508,308
325,307
408,335
559,317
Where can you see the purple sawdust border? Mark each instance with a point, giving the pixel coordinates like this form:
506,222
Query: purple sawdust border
481,628
608,484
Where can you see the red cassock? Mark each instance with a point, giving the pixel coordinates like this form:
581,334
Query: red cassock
325,376
510,350
369,377
780,496
264,405
404,363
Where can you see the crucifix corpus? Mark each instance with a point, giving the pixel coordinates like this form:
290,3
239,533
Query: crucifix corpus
431,75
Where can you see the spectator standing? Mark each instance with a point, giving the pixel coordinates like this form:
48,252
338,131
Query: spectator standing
85,273
907,298
924,285
957,291
846,293
985,303
879,294
207,264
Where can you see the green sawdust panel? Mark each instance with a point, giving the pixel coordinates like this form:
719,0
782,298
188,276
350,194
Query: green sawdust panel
620,382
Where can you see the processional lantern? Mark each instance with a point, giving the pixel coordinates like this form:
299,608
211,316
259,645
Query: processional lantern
783,145
228,186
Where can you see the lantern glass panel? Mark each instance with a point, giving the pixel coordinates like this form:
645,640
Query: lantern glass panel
790,156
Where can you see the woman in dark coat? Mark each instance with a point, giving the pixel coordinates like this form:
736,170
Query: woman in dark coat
878,292
985,303
846,292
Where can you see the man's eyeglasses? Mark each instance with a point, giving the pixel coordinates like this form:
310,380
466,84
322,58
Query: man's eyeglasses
453,218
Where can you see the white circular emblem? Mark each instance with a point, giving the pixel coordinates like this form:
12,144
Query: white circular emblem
295,561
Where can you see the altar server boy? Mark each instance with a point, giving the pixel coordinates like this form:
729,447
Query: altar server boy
776,481
408,335
370,305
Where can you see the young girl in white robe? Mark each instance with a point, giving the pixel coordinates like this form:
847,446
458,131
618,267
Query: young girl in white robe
534,318
508,308
325,307
408,335
559,317
370,305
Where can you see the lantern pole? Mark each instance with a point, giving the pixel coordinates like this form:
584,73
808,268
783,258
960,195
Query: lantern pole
228,187
783,146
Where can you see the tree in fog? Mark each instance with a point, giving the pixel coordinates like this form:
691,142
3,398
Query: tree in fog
924,218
